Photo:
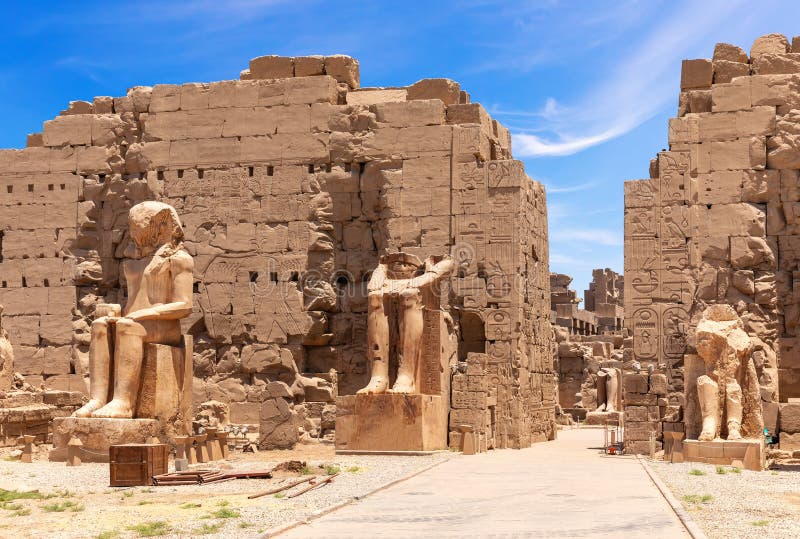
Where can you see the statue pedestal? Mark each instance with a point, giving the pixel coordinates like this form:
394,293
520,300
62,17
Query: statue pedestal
391,422
747,454
98,434
601,418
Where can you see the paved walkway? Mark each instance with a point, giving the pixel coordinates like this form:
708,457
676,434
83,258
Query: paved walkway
556,489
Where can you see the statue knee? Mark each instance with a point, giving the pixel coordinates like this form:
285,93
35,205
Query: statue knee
100,325
126,326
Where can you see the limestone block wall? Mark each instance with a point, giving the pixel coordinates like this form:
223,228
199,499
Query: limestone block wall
290,184
715,223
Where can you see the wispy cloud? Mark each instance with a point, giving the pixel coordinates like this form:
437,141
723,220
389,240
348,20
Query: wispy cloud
595,235
555,189
637,85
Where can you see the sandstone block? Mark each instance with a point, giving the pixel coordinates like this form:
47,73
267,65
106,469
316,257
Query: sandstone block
752,252
344,69
634,383
445,90
740,154
789,442
165,98
732,220
726,71
696,74
775,64
68,130
372,96
769,44
731,96
309,66
271,67
658,384
790,417
410,113
694,101
729,53
760,185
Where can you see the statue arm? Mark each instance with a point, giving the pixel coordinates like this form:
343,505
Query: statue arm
182,267
377,279
435,273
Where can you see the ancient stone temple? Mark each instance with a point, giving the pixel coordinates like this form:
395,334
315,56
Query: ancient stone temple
290,184
716,223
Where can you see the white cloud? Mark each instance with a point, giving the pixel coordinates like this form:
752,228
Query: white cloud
639,85
597,236
554,189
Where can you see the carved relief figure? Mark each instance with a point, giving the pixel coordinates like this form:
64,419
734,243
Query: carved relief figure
400,281
159,275
729,389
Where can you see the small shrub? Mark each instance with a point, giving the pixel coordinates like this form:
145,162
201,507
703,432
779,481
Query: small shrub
332,469
10,495
223,503
698,498
189,505
144,502
759,523
305,470
246,524
128,494
22,512
151,529
721,470
110,534
226,513
354,469
695,471
736,470
207,529
60,507
280,494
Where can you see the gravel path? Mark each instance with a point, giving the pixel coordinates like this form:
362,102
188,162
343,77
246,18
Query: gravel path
745,504
220,510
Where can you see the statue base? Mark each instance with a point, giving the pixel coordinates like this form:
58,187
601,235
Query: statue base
747,454
391,422
601,418
98,434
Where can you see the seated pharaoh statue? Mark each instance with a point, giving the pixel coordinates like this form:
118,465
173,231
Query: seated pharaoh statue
728,393
398,291
158,272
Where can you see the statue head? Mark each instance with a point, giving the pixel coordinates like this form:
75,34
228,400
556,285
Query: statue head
151,225
401,265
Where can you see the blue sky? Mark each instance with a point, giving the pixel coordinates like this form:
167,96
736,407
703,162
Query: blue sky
586,87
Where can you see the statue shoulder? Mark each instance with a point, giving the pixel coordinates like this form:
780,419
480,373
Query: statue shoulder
182,260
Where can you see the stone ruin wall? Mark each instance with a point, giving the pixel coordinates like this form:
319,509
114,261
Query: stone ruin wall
587,339
290,184
717,222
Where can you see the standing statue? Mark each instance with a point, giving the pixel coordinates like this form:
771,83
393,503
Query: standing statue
729,389
608,390
399,281
159,276
6,358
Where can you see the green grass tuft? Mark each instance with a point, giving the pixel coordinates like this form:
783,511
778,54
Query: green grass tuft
60,507
144,502
332,469
190,505
695,471
246,524
721,470
207,529
110,534
9,495
151,529
698,498
354,469
280,494
305,470
225,512
736,470
760,523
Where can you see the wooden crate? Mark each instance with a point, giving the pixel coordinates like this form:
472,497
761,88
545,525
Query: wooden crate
136,464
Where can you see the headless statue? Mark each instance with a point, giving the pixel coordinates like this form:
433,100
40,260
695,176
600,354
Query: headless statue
608,389
400,278
159,276
725,347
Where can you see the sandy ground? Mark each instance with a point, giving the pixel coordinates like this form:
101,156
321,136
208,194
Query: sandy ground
736,505
80,503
